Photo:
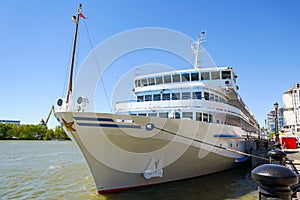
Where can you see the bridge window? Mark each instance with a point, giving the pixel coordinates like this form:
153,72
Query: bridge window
151,81
215,75
159,80
195,76
204,75
226,74
138,83
144,82
167,79
176,78
185,77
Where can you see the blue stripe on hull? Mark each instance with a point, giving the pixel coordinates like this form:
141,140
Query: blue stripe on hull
93,119
109,125
228,136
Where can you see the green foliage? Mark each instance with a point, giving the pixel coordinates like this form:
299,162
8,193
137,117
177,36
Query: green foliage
271,135
31,132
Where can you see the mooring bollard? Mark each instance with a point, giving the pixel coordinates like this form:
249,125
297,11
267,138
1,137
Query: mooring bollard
274,181
277,156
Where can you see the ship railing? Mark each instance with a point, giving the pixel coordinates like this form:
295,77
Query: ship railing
134,105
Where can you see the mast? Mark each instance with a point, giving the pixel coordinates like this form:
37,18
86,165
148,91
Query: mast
196,52
197,43
76,20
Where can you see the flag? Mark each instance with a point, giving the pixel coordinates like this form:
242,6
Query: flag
82,16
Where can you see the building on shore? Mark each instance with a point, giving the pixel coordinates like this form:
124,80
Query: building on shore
5,121
291,106
270,121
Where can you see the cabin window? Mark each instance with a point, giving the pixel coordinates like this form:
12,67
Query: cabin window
221,100
226,74
140,98
186,95
142,114
175,96
206,95
159,80
148,97
197,95
144,82
152,114
176,78
166,96
205,117
215,75
198,116
151,81
194,76
185,77
210,118
204,75
212,97
156,97
216,98
187,115
177,115
167,79
163,115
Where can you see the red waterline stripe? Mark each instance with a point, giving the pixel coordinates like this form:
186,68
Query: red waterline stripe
130,187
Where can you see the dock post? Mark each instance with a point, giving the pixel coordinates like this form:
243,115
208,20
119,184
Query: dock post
274,181
277,156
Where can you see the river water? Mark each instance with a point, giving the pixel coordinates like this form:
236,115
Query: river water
57,170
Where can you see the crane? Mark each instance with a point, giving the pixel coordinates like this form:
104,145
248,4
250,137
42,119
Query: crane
43,122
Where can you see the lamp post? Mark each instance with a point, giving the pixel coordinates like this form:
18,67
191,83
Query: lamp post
276,122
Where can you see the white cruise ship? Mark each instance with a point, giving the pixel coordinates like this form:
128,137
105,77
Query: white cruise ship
182,124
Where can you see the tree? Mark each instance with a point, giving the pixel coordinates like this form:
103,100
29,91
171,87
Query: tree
59,133
31,132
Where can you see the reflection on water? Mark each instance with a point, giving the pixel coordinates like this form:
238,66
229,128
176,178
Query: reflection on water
57,170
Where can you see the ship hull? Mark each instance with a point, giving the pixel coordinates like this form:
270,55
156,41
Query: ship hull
125,151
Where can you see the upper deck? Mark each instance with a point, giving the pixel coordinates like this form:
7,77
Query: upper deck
218,77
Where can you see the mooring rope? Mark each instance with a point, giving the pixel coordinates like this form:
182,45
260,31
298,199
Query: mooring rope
207,143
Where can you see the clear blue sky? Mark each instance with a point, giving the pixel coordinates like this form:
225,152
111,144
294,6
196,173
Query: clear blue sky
259,38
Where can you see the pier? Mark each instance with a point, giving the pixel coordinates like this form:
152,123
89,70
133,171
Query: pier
276,172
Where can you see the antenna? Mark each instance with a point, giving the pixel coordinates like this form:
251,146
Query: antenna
196,48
